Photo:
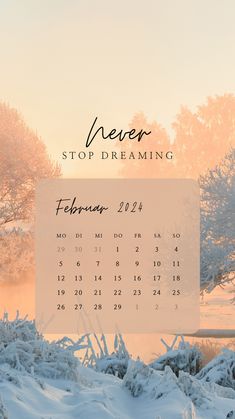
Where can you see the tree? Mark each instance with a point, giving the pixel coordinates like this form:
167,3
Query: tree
218,223
158,140
23,161
200,139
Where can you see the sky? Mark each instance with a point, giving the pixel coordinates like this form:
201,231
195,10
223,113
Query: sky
65,62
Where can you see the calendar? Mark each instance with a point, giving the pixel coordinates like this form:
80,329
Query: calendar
117,255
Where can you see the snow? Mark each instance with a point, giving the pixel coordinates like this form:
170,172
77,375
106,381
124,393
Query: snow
174,396
217,223
24,349
185,358
220,370
101,396
45,380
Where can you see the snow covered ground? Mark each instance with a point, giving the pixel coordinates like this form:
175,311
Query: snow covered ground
143,394
44,380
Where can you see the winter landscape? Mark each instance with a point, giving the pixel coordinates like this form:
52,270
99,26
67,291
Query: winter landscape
95,376
163,66
83,379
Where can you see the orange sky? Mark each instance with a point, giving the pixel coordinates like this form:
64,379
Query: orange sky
63,63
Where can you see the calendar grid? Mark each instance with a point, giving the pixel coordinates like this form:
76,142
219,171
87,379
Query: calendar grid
120,255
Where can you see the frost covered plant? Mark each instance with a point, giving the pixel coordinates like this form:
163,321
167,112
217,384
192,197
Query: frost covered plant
142,379
194,389
139,378
184,358
25,350
209,349
114,363
220,370
99,357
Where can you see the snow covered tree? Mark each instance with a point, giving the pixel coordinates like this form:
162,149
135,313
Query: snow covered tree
218,224
204,135
199,139
23,161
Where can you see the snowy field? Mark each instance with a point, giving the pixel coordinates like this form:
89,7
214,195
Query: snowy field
42,379
101,396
